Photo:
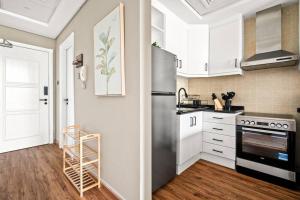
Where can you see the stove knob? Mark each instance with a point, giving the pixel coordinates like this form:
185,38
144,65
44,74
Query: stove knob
272,125
242,121
285,126
278,125
247,122
252,123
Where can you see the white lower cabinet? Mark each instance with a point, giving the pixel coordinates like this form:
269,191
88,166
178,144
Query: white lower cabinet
211,138
189,147
189,139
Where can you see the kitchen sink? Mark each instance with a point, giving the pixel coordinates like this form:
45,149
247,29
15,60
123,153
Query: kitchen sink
185,109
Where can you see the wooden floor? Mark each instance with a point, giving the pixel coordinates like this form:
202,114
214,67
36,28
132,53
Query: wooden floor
36,174
205,180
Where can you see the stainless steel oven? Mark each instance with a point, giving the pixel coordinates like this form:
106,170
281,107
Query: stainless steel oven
266,143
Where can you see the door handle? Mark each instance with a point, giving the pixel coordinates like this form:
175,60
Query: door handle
217,117
67,101
180,64
195,121
217,151
191,121
45,101
214,139
235,63
218,129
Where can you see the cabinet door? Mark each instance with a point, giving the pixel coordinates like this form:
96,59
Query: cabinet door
198,47
176,40
189,147
226,47
189,124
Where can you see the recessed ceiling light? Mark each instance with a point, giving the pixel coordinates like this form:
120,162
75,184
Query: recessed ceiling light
191,8
23,17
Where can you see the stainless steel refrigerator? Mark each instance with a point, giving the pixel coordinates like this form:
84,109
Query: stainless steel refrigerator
163,117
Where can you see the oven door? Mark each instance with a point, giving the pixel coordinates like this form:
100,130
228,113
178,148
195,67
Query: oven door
275,148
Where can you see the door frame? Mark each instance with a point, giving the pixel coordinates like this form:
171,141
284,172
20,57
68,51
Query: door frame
66,44
51,131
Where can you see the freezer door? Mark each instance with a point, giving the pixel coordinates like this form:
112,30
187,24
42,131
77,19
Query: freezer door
163,71
163,140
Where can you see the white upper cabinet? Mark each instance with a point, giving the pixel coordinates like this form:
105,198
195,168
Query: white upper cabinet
197,50
202,50
226,47
176,39
175,36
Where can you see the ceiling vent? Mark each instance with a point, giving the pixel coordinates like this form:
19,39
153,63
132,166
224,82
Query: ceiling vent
204,7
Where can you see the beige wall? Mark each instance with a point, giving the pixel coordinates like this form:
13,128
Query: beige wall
26,38
269,91
116,118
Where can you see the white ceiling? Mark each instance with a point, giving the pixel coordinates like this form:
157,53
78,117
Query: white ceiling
42,17
218,10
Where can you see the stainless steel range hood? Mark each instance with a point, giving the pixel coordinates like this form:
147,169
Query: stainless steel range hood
269,53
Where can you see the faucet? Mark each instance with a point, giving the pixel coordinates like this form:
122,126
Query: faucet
185,94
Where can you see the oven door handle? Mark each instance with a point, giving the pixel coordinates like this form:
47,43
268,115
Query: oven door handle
264,131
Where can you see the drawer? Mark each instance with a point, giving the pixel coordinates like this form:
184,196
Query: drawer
217,150
224,129
219,118
217,139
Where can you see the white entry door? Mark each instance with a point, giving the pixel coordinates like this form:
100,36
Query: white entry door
24,105
66,57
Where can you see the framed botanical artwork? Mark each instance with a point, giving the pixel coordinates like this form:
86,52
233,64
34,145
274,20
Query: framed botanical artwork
109,54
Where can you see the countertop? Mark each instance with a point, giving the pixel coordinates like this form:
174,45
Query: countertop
185,109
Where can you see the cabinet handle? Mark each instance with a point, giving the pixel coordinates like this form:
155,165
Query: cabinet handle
235,63
206,67
180,64
191,121
195,121
217,151
218,118
218,129
214,139
176,63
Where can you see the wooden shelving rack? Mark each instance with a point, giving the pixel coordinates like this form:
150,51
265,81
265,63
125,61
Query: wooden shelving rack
81,163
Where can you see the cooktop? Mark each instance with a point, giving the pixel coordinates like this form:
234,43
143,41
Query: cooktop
268,115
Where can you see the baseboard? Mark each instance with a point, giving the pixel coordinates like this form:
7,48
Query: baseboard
181,168
113,190
218,160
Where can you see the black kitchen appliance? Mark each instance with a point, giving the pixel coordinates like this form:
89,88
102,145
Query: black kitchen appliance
266,143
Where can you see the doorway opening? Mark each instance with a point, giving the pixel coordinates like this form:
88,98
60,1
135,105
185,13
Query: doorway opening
66,94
